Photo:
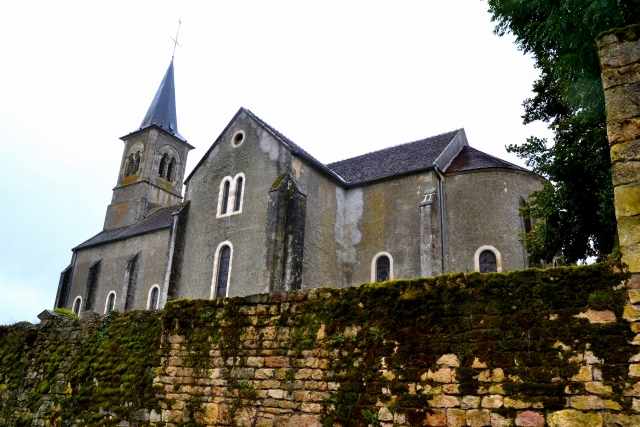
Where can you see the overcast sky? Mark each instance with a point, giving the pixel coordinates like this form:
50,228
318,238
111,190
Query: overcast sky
340,78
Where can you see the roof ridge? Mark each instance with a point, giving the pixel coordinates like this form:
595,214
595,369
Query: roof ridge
395,146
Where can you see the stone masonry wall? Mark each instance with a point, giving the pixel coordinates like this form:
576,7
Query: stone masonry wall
554,347
620,60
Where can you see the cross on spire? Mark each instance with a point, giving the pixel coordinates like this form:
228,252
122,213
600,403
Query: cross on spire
175,41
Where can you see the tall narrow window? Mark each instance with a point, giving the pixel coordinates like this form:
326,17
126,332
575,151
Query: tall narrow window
163,166
383,268
236,204
225,197
171,169
488,262
137,163
130,165
153,298
76,305
224,259
111,302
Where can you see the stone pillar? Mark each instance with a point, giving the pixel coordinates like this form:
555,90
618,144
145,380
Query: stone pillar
619,52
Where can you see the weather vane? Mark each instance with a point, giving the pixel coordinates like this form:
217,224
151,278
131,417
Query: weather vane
175,41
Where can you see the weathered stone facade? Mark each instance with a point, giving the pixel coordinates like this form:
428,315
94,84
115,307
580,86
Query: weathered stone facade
269,216
557,347
620,60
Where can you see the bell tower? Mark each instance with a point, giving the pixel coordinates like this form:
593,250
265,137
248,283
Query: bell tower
153,162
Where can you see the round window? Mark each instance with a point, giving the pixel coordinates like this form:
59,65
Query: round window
238,138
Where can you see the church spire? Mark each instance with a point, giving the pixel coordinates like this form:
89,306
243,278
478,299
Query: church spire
162,111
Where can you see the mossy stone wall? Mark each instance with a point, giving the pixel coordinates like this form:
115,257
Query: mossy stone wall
554,347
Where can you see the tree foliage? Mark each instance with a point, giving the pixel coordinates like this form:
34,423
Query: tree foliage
574,209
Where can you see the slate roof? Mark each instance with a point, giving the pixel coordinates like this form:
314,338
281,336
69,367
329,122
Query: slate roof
470,159
393,160
162,111
159,219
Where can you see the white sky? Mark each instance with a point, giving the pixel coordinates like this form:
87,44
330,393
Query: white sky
340,78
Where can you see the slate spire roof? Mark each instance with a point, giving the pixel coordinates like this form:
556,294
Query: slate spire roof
162,111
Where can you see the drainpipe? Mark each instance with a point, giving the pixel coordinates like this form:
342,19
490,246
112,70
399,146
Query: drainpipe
442,239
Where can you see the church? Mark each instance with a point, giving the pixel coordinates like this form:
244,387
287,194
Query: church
259,213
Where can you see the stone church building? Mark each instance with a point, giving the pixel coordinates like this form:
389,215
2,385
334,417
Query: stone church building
260,213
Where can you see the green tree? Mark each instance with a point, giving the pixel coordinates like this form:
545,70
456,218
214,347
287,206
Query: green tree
574,208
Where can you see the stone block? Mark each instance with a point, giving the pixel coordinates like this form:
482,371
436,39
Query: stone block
618,54
311,407
298,420
442,375
634,370
470,402
625,150
620,420
447,389
623,102
573,418
631,257
496,389
450,360
303,374
634,298
515,403
498,420
583,375
478,418
435,418
276,362
594,316
492,401
477,364
596,387
631,313
256,362
627,200
276,393
625,172
621,76
495,376
264,374
530,419
443,401
456,418
586,403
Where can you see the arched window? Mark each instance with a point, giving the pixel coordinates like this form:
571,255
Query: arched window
225,197
222,270
238,199
163,166
154,294
488,262
487,259
111,302
382,267
171,169
77,304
